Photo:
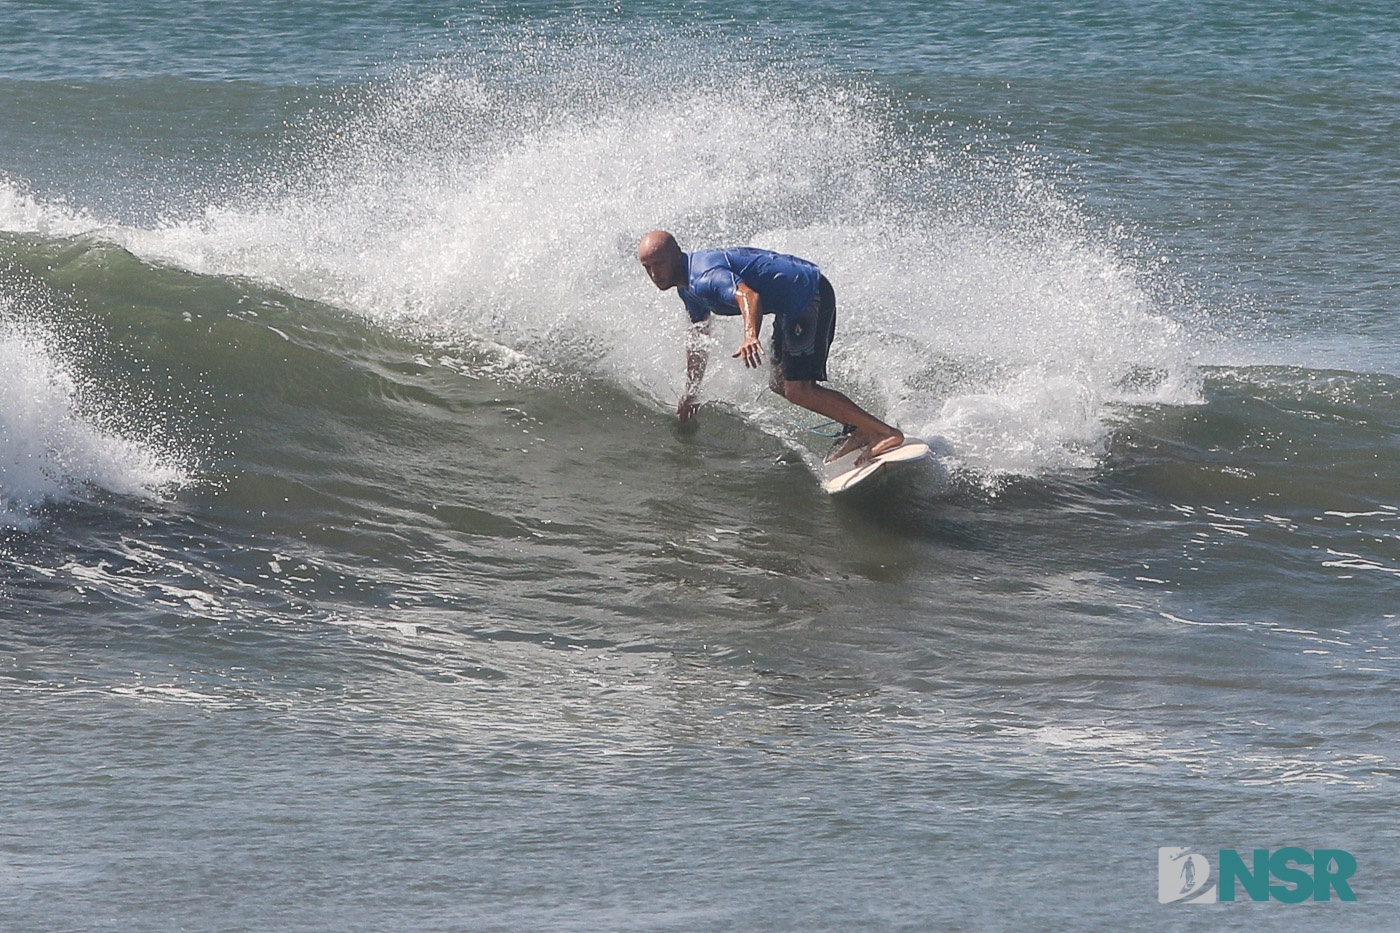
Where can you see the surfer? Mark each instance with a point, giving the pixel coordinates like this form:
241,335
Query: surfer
752,282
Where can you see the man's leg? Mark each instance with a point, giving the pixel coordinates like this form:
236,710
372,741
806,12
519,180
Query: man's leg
870,432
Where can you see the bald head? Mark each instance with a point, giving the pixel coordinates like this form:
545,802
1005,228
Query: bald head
663,259
655,243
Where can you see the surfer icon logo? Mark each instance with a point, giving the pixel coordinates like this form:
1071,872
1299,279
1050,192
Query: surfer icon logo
1183,876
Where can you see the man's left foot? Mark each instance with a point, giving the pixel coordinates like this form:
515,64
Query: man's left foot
848,441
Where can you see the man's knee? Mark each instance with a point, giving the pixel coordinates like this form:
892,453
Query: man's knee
798,391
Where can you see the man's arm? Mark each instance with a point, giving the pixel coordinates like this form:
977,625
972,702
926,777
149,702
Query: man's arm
750,351
697,354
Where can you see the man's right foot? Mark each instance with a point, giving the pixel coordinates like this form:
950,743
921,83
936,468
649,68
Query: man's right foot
881,445
872,445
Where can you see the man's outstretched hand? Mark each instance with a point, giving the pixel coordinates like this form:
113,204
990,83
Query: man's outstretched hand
751,352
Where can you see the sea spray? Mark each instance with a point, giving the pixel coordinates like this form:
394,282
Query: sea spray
59,431
500,197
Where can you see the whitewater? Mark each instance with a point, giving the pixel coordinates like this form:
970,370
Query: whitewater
356,574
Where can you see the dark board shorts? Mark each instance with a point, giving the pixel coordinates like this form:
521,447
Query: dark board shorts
802,342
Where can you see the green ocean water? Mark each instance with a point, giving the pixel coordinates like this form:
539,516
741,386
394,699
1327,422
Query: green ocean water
355,573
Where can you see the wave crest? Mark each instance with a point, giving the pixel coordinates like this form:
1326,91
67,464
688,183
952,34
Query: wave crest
53,440
501,196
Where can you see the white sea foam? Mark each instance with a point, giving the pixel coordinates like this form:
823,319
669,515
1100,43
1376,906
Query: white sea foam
503,198
22,212
51,446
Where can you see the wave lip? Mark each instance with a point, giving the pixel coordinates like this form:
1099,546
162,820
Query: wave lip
22,212
500,197
50,448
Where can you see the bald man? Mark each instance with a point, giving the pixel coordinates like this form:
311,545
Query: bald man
751,283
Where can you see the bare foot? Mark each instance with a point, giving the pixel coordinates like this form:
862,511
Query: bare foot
851,441
881,445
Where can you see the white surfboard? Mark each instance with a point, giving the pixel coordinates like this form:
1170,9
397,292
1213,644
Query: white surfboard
843,474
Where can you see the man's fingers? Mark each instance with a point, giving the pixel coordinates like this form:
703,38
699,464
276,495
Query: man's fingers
751,353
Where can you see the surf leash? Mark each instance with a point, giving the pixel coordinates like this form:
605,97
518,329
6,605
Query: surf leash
823,429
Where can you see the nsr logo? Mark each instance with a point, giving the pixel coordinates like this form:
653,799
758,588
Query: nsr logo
1183,876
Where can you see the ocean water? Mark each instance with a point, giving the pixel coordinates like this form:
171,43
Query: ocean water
355,573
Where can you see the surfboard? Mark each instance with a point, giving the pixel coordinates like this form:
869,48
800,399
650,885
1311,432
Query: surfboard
842,475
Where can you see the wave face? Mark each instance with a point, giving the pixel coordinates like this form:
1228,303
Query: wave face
60,432
503,201
356,574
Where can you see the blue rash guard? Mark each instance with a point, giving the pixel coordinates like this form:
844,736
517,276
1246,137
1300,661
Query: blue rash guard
785,284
